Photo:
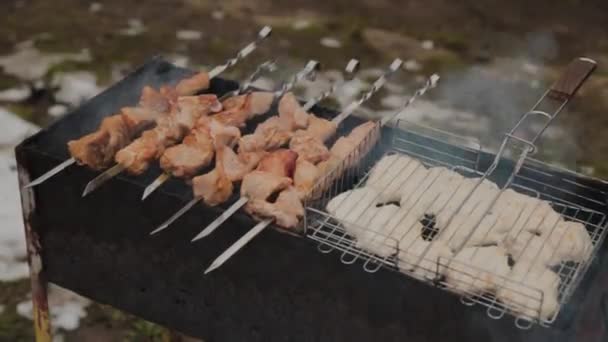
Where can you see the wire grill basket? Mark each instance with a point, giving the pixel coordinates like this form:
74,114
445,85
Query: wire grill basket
422,202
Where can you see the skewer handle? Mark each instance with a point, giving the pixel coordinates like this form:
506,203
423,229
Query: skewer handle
378,84
351,69
308,72
50,173
430,83
221,219
244,52
175,216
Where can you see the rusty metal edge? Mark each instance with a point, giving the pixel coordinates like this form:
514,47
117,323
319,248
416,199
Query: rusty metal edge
42,323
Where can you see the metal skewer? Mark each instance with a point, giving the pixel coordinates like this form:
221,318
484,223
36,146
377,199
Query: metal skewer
243,88
262,34
244,52
258,228
351,68
308,71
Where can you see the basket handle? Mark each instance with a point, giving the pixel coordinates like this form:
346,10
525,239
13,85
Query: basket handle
572,79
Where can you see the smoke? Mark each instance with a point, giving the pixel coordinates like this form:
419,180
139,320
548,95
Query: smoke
502,91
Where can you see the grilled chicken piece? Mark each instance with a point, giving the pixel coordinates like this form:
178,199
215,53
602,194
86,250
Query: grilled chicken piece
192,84
213,187
345,151
277,130
237,166
195,152
261,185
281,163
292,112
308,147
239,109
97,149
286,211
320,128
171,129
305,176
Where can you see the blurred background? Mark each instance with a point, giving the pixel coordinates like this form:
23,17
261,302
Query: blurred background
494,57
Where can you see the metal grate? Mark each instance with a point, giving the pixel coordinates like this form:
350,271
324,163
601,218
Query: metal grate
376,247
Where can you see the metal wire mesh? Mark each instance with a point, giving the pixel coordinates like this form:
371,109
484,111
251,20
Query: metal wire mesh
416,222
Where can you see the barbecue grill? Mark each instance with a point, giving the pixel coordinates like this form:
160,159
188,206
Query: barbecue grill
279,288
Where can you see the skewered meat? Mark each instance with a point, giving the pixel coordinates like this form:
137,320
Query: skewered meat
261,185
197,149
277,130
390,174
346,150
192,84
292,113
280,162
187,158
308,147
171,129
213,187
305,176
286,211
530,291
527,247
476,270
237,166
426,259
97,149
320,128
238,109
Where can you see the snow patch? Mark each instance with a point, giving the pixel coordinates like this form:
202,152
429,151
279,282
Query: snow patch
66,308
75,87
188,35
331,42
15,94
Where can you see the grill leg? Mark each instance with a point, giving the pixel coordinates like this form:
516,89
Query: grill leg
42,323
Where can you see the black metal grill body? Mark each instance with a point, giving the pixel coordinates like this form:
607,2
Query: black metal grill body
279,288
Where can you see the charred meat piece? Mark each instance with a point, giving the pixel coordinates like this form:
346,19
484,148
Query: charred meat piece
171,129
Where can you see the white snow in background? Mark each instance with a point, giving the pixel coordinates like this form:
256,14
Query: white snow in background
300,24
75,87
412,65
331,42
95,7
135,28
66,308
28,63
12,237
188,35
15,94
428,45
57,110
218,15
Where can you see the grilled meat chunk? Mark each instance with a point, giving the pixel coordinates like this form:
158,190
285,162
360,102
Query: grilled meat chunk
213,187
237,166
261,184
308,147
238,109
97,149
286,211
171,129
280,162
